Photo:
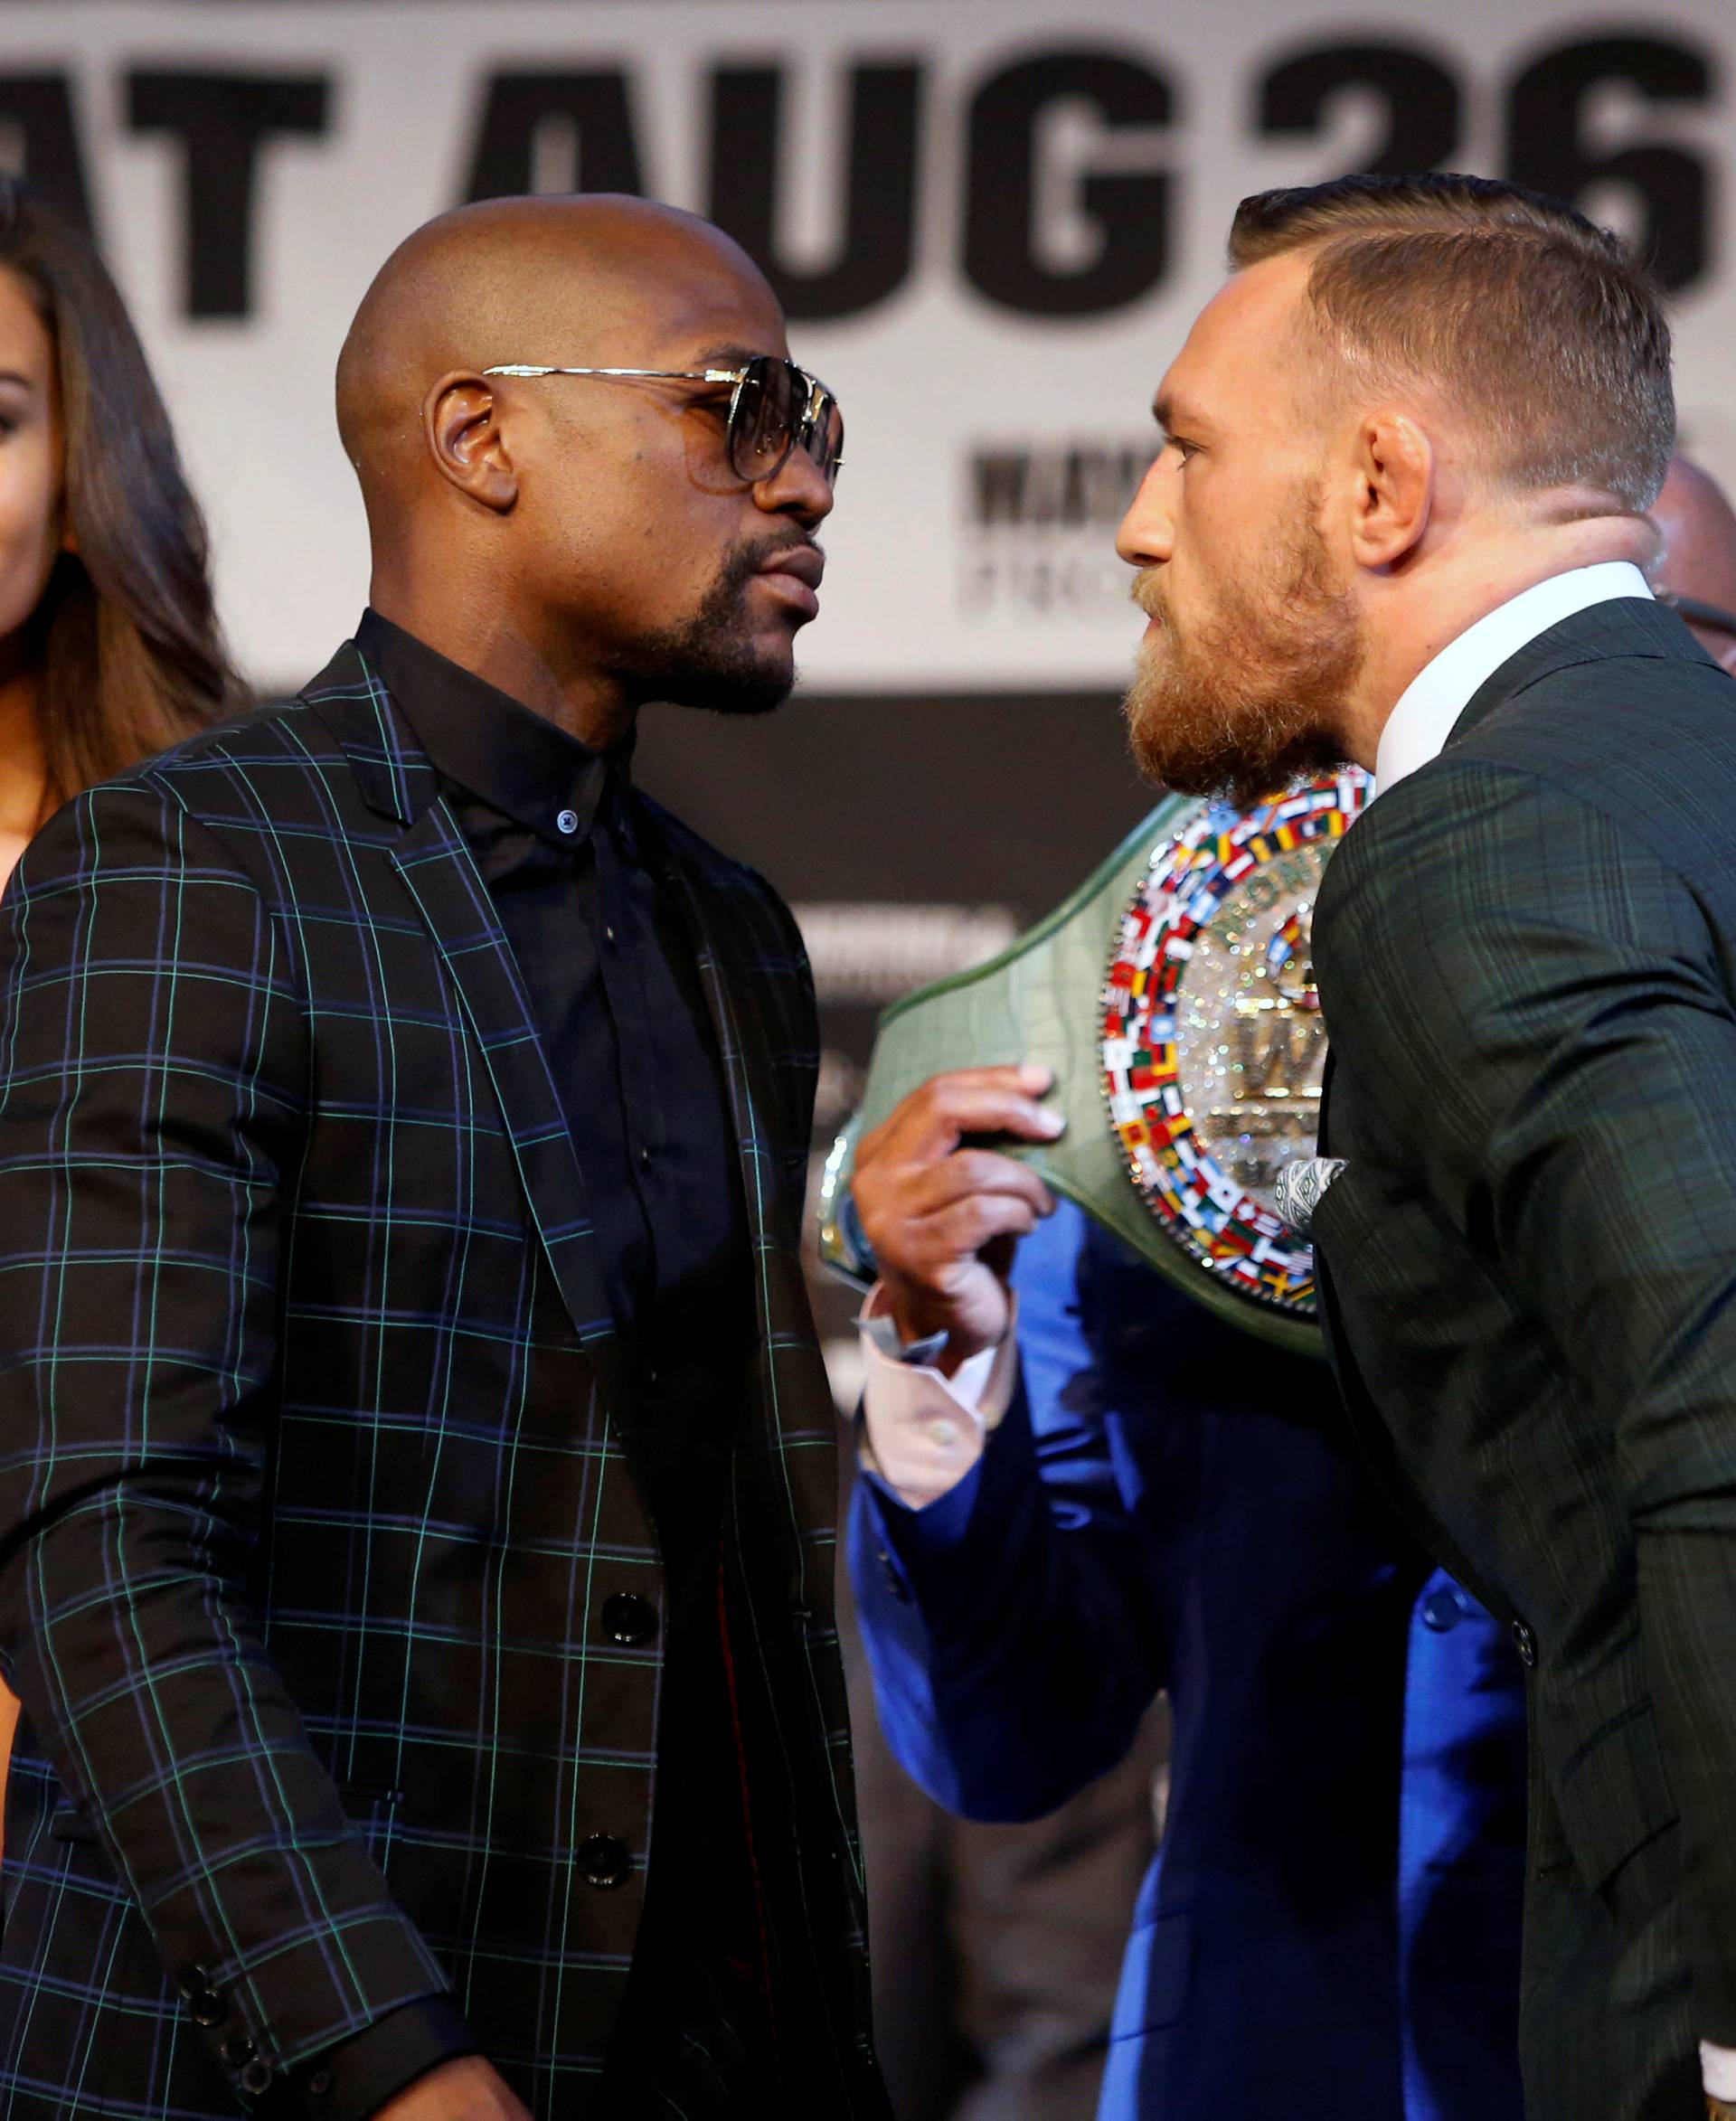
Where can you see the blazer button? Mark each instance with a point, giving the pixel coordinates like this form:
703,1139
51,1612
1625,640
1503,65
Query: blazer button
204,2006
1441,1611
237,2048
895,1582
629,1619
604,1860
258,2077
1525,1643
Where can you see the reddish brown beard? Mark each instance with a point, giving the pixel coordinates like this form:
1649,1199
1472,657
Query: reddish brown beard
1250,699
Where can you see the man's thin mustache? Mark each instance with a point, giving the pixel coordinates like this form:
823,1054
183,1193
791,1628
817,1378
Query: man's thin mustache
1146,594
788,542
747,559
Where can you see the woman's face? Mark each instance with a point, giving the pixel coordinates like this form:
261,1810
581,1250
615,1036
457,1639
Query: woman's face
32,461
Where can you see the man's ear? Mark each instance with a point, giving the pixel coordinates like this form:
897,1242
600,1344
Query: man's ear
1395,469
464,440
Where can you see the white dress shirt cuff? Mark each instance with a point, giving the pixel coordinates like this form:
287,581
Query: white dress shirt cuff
1718,2071
926,1431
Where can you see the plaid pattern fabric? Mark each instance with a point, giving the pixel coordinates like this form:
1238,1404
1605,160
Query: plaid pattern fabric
1527,955
317,1465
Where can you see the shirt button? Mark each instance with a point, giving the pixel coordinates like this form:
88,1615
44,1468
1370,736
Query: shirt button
645,1159
603,1861
608,935
567,821
628,1619
944,1432
1442,1611
204,2006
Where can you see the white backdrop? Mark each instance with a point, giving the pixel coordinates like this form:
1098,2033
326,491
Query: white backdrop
1082,158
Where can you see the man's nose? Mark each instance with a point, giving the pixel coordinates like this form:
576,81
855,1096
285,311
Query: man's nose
1147,530
798,487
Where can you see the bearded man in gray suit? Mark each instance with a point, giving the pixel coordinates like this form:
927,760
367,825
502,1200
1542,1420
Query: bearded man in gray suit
1399,517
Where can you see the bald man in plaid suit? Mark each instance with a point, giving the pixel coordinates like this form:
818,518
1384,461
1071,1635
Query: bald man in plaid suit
417,1497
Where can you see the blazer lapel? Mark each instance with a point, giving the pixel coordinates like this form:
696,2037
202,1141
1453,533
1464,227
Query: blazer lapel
794,1462
1320,1148
448,893
747,1068
1619,626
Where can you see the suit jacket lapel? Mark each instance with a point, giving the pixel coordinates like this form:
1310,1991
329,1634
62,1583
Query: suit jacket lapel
747,1068
793,1464
1620,626
448,893
1320,1148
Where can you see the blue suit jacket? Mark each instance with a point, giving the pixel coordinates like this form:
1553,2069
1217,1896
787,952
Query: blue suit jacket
1331,1926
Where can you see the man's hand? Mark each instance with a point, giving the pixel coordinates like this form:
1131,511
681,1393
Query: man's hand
944,1219
468,2089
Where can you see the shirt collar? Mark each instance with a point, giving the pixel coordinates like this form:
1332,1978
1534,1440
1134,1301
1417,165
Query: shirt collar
1418,727
489,744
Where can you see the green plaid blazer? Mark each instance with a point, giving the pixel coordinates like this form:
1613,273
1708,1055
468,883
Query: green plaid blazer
1527,955
315,1445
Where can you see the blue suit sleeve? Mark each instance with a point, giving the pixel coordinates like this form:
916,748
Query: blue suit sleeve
1013,1636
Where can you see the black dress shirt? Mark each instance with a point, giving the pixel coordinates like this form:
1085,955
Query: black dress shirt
573,863
577,872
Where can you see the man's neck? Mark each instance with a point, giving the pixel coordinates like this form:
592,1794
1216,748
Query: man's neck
1440,597
584,703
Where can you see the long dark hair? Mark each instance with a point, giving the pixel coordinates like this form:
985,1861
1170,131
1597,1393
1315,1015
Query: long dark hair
125,644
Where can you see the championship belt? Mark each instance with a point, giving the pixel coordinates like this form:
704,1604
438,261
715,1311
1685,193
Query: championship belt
1172,998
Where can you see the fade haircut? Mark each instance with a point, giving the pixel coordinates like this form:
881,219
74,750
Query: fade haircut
1512,308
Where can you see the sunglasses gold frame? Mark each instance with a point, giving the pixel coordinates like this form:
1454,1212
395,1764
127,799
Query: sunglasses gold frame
817,402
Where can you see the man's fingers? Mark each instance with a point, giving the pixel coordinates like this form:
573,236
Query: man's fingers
963,1229
929,1123
975,1171
936,1120
899,1205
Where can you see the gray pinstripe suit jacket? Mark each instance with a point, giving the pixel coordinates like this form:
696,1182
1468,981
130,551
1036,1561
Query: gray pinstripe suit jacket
1527,955
315,1447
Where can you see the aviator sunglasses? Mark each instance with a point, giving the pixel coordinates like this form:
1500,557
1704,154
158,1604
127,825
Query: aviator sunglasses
775,406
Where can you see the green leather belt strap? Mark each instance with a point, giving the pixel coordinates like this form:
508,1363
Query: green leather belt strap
1040,1000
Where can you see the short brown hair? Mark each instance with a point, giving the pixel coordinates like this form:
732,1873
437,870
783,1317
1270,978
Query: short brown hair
1505,299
